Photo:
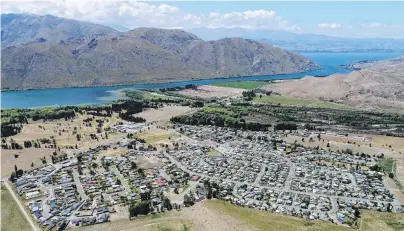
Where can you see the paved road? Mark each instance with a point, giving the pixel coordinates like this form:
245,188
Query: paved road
79,186
291,175
180,197
21,206
259,176
123,180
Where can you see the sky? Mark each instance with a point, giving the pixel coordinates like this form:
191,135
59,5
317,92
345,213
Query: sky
342,19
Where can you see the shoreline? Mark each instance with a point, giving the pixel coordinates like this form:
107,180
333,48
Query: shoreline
179,81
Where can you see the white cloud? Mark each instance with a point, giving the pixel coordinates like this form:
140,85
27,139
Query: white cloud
257,19
329,25
375,25
380,25
133,14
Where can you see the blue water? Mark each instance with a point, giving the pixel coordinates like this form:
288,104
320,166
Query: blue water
100,95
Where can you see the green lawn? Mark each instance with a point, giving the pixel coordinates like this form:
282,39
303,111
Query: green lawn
11,216
213,153
297,102
218,109
242,84
387,164
151,96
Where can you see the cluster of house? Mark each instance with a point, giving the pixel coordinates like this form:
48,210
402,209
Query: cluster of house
62,200
52,195
105,182
269,174
246,168
314,177
29,184
195,157
312,208
338,158
283,201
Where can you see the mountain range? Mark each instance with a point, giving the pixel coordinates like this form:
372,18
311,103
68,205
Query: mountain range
51,52
304,42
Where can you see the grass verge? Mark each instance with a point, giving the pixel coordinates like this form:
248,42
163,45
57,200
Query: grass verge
11,216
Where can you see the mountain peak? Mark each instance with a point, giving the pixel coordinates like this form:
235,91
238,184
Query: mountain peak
19,29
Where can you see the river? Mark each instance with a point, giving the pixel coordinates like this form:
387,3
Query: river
100,95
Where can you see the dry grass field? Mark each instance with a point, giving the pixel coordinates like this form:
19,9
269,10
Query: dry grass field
207,91
62,132
164,113
26,157
214,215
171,221
11,216
156,136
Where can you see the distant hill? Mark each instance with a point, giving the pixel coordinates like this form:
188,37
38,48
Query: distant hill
379,85
19,29
304,42
143,55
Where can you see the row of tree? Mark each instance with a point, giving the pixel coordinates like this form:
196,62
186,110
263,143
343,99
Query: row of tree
220,120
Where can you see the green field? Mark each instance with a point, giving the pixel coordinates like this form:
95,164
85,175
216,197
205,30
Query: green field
11,216
242,84
218,109
387,164
213,153
151,96
297,102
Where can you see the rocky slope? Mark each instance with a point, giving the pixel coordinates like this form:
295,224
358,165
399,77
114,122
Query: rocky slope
379,85
142,55
19,29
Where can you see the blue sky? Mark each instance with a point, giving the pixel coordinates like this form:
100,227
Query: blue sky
346,19
309,14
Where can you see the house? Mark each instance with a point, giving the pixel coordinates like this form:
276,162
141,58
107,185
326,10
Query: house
33,194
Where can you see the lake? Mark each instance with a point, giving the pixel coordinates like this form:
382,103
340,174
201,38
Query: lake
100,95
